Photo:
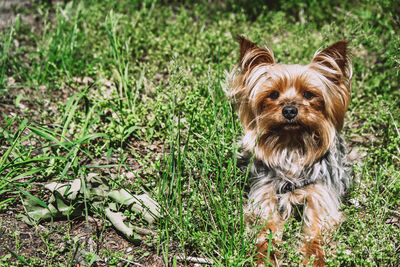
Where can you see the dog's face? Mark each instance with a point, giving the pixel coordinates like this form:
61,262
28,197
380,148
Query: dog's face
291,113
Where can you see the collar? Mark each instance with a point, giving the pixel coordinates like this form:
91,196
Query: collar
290,187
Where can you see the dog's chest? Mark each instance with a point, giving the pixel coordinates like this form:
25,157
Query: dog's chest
331,170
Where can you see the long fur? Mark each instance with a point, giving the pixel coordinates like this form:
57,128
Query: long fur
332,170
300,159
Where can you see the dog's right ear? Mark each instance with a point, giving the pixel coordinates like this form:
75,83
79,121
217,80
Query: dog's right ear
251,55
245,45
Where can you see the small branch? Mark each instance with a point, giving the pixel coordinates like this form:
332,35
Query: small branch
144,231
195,259
131,262
347,13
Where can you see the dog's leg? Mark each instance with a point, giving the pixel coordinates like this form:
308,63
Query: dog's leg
320,214
273,226
263,211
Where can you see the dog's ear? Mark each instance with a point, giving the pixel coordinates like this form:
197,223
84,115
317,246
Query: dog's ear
334,64
251,55
334,57
245,45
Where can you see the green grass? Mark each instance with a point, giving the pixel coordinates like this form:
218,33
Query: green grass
132,91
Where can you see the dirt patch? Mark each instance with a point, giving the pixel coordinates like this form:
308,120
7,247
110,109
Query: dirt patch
63,239
8,12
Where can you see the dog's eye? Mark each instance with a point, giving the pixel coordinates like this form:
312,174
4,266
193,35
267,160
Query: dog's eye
308,95
274,95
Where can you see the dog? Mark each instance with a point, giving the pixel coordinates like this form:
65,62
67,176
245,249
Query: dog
292,116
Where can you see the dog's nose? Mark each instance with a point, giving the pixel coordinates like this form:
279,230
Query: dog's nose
289,112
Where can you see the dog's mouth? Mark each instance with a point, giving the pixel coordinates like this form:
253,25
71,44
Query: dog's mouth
291,126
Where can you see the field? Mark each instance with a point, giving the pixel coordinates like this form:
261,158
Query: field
118,145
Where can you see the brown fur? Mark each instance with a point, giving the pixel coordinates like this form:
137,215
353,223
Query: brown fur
320,93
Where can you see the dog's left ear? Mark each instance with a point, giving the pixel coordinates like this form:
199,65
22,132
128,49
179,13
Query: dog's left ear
333,57
334,64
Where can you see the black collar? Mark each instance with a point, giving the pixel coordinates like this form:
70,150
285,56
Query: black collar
290,187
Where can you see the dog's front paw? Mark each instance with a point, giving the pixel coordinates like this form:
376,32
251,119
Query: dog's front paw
267,255
314,248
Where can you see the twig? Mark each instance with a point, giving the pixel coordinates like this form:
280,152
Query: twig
145,231
131,262
195,259
347,13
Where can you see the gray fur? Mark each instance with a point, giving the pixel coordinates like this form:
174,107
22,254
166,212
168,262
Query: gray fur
332,170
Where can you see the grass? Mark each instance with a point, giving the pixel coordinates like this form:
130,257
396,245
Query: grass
129,95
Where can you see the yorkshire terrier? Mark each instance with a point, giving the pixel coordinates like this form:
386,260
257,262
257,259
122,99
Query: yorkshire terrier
292,116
